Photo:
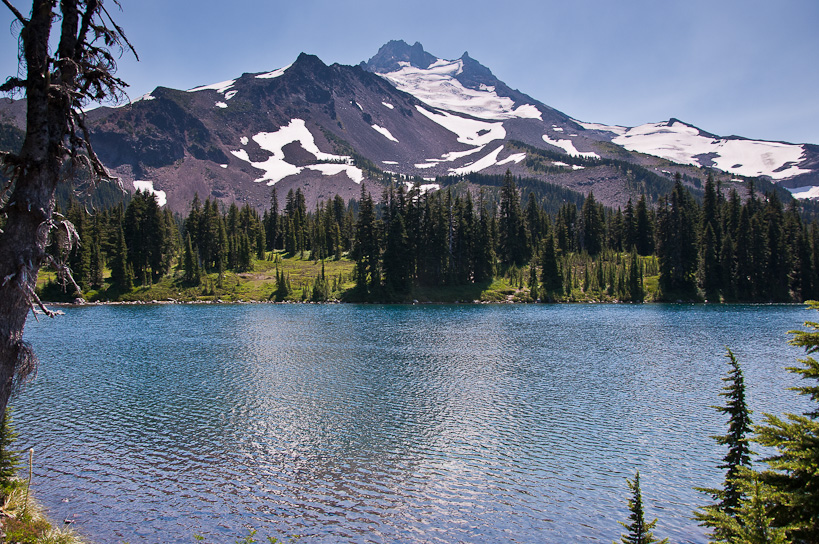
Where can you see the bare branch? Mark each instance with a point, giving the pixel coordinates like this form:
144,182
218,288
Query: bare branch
118,29
16,13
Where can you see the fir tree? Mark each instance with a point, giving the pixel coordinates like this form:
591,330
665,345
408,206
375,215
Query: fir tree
9,457
738,457
754,521
792,469
639,532
550,276
191,264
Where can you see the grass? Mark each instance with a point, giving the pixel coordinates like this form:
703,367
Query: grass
23,521
259,285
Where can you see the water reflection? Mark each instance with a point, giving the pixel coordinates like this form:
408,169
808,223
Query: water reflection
388,424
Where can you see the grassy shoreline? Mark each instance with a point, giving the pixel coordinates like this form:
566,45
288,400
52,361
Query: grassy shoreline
260,285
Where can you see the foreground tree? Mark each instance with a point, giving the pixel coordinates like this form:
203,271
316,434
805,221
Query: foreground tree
639,532
792,472
56,148
736,461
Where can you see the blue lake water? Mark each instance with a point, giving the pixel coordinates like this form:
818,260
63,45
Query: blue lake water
347,423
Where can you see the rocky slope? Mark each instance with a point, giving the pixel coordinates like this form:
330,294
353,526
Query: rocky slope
404,112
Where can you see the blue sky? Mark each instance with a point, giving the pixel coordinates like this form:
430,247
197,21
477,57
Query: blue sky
730,67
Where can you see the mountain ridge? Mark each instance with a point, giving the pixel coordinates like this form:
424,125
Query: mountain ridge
403,114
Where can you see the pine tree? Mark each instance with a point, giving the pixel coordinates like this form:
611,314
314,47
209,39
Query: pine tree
639,530
738,458
593,226
514,245
396,261
9,457
121,272
754,520
792,468
191,264
550,276
367,250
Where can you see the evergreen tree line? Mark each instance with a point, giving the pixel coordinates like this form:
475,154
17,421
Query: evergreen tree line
138,242
727,247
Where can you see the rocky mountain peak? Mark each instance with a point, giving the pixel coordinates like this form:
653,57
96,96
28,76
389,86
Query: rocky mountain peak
394,52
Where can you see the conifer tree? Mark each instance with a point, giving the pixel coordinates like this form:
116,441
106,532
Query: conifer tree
550,276
738,457
754,520
121,274
9,457
396,262
792,471
191,264
367,247
514,246
639,532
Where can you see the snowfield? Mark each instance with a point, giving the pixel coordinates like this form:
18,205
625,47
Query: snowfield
148,187
274,73
805,193
685,144
220,87
468,131
569,148
276,168
386,133
438,87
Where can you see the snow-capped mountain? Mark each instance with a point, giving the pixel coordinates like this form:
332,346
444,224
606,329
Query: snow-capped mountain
686,144
327,129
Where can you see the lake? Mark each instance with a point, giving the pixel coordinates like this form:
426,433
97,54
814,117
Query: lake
367,423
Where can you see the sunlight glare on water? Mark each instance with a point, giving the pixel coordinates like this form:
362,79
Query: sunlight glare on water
344,423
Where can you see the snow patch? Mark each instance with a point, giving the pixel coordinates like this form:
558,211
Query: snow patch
148,187
275,168
244,140
605,128
388,105
424,188
223,165
230,94
516,158
386,133
145,97
221,105
438,87
274,73
468,131
389,162
805,193
220,87
557,128
686,145
424,165
357,105
569,148
355,174
481,164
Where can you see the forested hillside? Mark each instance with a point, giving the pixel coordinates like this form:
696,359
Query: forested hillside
467,241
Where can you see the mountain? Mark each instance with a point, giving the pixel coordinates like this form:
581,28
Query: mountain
404,112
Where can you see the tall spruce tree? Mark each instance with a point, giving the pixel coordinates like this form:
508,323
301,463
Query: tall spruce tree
738,457
792,469
9,457
639,531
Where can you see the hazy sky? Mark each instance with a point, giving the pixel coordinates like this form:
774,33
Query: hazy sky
742,67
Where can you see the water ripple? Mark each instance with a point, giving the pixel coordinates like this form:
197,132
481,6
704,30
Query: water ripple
388,424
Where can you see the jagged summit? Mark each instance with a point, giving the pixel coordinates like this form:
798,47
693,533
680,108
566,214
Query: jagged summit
393,53
327,128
